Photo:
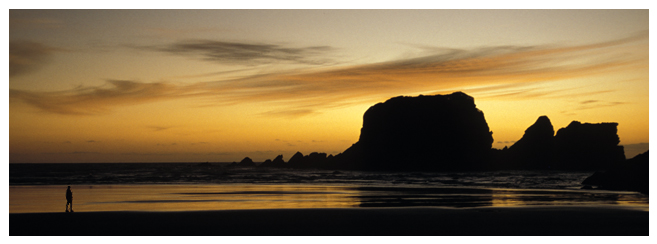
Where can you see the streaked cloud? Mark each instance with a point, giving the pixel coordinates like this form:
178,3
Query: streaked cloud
98,100
245,53
158,128
167,144
176,33
199,143
289,113
599,104
84,152
494,72
32,22
27,56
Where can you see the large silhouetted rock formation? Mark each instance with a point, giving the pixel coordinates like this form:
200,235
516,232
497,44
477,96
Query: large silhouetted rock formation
631,175
575,147
448,132
438,132
535,150
587,146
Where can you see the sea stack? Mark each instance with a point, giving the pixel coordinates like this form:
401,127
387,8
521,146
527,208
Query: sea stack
535,150
440,132
579,146
588,146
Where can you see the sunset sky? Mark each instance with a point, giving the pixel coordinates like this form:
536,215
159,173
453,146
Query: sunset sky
220,85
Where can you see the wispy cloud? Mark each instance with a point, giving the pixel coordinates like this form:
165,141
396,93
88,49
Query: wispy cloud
504,71
158,128
598,104
33,23
63,153
167,144
245,53
27,56
98,100
84,152
199,143
289,113
176,33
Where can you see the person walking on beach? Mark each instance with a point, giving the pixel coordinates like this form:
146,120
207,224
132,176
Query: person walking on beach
69,199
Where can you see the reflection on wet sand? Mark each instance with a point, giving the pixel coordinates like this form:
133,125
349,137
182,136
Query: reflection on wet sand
480,197
415,197
26,199
89,198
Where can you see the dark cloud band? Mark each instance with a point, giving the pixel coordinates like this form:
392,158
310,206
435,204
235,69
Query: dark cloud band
26,56
246,53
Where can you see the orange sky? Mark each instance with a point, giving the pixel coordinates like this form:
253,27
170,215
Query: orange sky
219,85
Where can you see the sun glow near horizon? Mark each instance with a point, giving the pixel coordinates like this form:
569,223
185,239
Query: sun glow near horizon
89,86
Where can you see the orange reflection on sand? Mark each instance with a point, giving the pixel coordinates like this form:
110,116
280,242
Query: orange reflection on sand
632,201
503,199
531,197
86,198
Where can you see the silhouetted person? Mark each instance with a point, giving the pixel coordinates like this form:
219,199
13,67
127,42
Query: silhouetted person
69,199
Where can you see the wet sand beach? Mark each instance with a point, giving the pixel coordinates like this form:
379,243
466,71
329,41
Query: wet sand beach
415,221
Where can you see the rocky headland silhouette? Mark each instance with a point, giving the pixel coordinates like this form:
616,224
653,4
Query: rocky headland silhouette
588,146
632,175
442,132
576,147
448,132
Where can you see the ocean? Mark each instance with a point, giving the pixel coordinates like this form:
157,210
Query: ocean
215,186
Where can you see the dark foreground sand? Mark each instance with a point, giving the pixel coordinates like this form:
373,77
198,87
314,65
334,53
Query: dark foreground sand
523,221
